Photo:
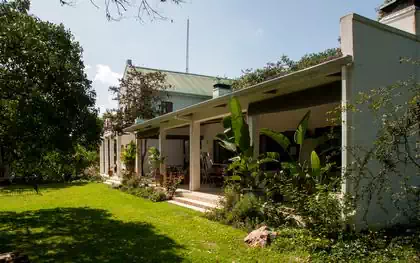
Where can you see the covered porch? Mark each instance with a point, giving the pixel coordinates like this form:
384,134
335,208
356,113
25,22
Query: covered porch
278,104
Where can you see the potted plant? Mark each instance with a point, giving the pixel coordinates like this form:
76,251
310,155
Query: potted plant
155,160
128,157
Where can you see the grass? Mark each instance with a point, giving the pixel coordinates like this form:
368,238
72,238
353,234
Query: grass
93,223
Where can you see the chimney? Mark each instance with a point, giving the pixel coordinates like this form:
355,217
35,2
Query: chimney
221,89
401,14
129,62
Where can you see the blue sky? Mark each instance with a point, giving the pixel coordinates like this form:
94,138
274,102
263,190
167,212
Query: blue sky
226,36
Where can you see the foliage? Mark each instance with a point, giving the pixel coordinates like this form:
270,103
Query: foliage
239,210
284,66
236,138
158,196
46,101
57,166
140,95
171,184
304,176
246,211
128,156
154,157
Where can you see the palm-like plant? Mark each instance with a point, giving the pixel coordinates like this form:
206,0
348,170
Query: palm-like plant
236,138
305,175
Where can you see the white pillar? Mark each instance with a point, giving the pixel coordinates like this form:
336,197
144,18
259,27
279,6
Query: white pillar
101,158
138,157
194,156
112,154
254,132
119,155
162,150
106,145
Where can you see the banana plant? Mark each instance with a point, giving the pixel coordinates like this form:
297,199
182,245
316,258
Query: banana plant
236,138
305,175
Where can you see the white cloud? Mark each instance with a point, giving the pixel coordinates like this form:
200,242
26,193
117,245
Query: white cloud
105,75
87,67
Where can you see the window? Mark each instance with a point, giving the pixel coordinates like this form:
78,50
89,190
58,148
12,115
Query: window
167,106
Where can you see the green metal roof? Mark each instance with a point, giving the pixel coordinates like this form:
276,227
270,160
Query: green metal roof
188,83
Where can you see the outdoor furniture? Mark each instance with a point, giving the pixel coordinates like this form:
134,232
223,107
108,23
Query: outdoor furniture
211,173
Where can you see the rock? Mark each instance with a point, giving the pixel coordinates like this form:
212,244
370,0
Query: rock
14,257
260,237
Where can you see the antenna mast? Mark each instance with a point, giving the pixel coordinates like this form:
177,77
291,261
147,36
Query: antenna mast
188,46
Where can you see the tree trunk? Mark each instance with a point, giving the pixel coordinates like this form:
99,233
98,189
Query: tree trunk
4,167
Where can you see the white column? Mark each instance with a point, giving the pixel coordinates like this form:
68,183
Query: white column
112,155
106,143
119,155
138,157
162,150
254,132
101,158
194,156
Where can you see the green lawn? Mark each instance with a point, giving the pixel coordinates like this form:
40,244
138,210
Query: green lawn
93,223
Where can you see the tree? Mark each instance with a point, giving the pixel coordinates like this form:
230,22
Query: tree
285,65
115,9
140,96
47,103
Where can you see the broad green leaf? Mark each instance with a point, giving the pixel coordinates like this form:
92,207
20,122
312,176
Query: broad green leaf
227,122
315,164
228,145
239,126
279,137
301,129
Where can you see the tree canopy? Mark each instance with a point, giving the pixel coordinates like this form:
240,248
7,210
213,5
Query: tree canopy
47,102
139,95
285,65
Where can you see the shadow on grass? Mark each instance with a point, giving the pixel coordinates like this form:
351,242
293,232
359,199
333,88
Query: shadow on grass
28,189
83,235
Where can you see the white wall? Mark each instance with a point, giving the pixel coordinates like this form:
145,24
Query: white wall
405,22
376,50
181,101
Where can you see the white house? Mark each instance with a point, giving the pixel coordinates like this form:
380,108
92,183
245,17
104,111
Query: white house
186,89
371,54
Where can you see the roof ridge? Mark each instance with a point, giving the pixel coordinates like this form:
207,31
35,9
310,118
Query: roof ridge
184,73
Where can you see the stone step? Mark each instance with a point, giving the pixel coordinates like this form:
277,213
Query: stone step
199,209
112,181
198,196
194,203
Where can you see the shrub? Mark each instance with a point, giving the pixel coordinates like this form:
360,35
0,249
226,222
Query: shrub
144,192
242,211
158,196
128,156
171,184
247,210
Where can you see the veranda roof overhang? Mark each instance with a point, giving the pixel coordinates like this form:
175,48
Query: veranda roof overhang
316,76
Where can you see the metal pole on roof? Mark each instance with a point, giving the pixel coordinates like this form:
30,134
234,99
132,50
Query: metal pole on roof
188,45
